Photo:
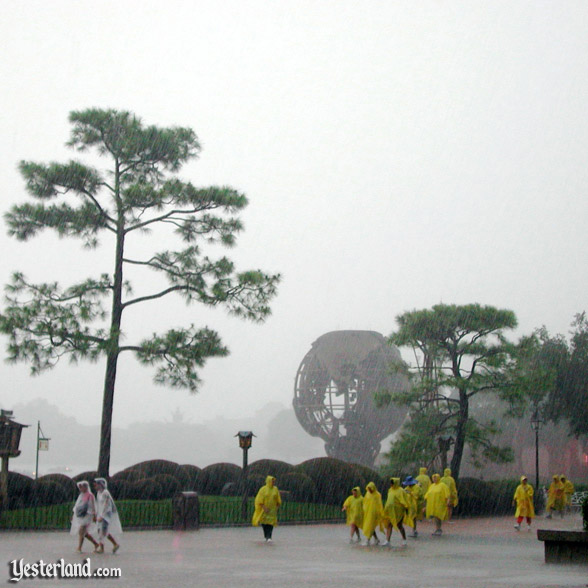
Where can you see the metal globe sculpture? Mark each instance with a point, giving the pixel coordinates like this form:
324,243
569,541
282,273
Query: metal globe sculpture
334,393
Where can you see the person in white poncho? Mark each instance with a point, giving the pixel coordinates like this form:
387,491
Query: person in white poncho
107,518
84,512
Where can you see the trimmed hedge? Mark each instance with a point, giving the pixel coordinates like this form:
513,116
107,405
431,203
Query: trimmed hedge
333,479
270,467
212,478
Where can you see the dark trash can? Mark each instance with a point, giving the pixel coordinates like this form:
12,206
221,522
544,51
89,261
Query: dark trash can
186,510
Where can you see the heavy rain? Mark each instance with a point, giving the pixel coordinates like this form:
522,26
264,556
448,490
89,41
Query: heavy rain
294,293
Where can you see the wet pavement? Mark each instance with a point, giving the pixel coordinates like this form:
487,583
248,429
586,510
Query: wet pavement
472,553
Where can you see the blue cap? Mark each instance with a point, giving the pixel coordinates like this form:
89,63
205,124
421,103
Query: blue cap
409,481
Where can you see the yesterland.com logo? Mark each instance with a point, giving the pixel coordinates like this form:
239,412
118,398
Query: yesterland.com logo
19,570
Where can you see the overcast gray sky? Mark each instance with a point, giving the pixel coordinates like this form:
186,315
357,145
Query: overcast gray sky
396,154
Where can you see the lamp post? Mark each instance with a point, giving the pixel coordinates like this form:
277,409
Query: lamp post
245,441
536,422
9,441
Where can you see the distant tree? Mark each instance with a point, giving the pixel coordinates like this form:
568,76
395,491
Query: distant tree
136,194
567,360
461,351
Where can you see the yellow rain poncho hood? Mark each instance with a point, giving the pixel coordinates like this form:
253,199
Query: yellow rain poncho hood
437,496
449,481
373,510
353,507
523,498
267,503
397,504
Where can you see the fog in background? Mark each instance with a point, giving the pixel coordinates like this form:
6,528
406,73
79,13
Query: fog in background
395,155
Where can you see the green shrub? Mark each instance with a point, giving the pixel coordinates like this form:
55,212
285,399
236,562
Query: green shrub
154,467
169,485
333,478
69,486
213,478
192,472
48,492
300,486
119,488
146,489
89,476
128,475
270,467
20,490
254,483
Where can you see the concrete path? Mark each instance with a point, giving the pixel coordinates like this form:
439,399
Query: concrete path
472,553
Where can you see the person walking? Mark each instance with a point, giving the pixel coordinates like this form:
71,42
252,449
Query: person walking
83,515
449,481
523,499
395,510
568,488
555,497
107,519
416,502
424,480
438,499
373,513
267,503
353,507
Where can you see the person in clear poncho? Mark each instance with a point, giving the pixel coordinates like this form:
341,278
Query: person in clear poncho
449,481
523,499
438,499
373,513
353,507
555,497
107,519
83,515
395,510
267,502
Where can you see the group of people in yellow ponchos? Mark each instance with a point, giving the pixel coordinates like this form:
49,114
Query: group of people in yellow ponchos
559,495
433,497
405,505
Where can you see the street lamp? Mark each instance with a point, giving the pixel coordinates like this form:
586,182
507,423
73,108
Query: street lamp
9,441
245,441
536,423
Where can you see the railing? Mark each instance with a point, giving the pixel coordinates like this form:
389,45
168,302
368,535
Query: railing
577,499
143,514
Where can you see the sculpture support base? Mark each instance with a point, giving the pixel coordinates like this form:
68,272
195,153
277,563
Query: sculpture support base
564,546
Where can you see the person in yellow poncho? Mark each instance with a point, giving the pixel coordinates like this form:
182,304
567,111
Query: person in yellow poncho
416,503
568,488
267,502
424,480
449,481
395,510
373,513
438,499
555,497
523,498
353,507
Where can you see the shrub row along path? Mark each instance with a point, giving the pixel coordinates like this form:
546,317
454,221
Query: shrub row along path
472,553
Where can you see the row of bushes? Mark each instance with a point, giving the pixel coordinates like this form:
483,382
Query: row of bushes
321,480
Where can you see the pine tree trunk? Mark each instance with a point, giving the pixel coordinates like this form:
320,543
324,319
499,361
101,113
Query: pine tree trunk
460,433
112,357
